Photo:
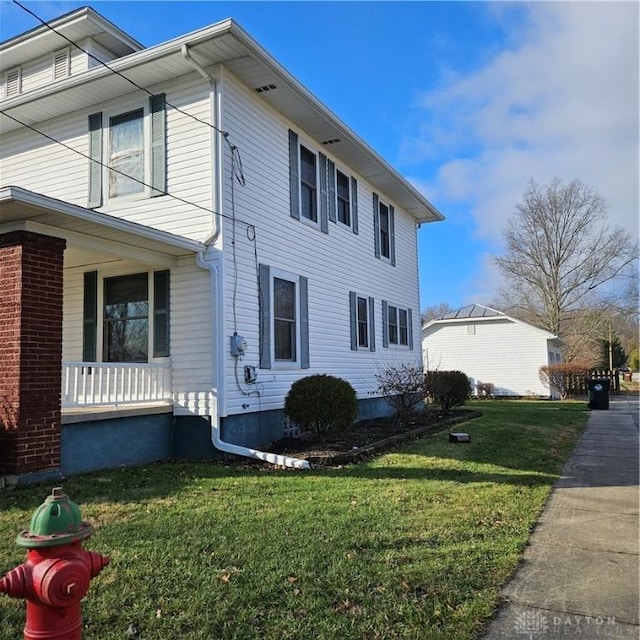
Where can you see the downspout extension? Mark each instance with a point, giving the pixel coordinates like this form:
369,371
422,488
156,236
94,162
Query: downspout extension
216,440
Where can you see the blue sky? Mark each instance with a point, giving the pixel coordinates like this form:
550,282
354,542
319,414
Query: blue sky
468,100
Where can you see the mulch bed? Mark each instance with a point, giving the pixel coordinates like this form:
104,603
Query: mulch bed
367,438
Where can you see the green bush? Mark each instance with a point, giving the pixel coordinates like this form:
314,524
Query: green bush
321,403
447,388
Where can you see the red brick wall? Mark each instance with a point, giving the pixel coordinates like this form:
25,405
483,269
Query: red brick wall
30,351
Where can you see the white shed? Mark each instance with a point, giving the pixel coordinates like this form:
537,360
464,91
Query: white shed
491,347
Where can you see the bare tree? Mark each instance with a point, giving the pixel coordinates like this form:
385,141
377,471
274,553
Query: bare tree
435,311
560,254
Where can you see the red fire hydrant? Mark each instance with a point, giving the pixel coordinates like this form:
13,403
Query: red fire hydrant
57,572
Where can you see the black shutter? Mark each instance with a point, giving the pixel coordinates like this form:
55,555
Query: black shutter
385,324
157,108
304,323
90,317
264,297
294,177
376,225
95,163
354,205
353,320
161,314
392,235
324,214
331,166
372,325
410,328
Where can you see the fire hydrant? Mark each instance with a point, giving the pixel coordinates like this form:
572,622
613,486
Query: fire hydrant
57,572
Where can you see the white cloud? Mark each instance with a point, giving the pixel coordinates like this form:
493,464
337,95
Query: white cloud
561,99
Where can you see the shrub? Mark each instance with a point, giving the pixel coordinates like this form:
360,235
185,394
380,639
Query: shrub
402,387
447,388
321,403
565,378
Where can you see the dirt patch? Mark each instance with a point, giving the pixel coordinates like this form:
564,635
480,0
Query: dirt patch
367,437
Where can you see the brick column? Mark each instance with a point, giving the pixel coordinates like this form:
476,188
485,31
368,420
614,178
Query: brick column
30,351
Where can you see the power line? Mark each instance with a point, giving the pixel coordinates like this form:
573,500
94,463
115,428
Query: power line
102,164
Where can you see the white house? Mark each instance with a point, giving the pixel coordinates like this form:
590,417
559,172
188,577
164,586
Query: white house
491,347
196,231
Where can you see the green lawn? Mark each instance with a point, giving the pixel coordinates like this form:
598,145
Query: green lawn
414,544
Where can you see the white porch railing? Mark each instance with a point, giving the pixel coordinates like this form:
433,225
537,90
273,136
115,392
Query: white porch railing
96,383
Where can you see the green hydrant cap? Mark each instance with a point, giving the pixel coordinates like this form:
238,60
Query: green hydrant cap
55,522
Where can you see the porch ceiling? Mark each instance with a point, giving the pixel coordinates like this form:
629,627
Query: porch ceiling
91,236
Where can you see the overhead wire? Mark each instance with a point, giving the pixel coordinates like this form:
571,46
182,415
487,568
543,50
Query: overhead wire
126,175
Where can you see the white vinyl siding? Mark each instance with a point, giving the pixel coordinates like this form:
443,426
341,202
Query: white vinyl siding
33,162
335,263
502,352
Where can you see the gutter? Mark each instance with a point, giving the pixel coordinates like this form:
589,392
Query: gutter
217,373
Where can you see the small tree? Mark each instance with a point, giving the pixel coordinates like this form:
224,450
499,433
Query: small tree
402,387
321,403
447,388
564,378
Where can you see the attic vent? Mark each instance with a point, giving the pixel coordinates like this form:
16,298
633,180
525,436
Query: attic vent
13,82
61,64
266,87
331,141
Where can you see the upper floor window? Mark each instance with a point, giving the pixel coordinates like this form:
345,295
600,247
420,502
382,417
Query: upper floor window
13,82
397,326
343,194
128,153
308,185
384,230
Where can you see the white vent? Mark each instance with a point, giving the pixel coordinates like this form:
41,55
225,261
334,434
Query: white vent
61,64
13,82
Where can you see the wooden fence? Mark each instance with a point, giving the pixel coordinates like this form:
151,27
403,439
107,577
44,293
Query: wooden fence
577,384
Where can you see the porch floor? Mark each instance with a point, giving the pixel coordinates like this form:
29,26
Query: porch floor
89,413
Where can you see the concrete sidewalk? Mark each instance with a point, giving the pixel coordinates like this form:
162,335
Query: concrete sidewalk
579,577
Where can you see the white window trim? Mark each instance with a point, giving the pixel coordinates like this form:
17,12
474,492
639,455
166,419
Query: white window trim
311,149
117,273
146,128
398,308
362,347
295,279
335,181
388,207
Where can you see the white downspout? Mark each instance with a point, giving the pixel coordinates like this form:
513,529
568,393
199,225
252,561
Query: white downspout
217,370
215,312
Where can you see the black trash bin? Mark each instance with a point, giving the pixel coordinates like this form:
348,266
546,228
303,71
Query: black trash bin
599,393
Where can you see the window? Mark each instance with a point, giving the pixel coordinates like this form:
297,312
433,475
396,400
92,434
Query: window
126,320
362,322
308,185
397,327
126,153
13,82
133,145
342,192
61,64
384,230
471,329
284,319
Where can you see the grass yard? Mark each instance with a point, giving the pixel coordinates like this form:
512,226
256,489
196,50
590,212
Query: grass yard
414,544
